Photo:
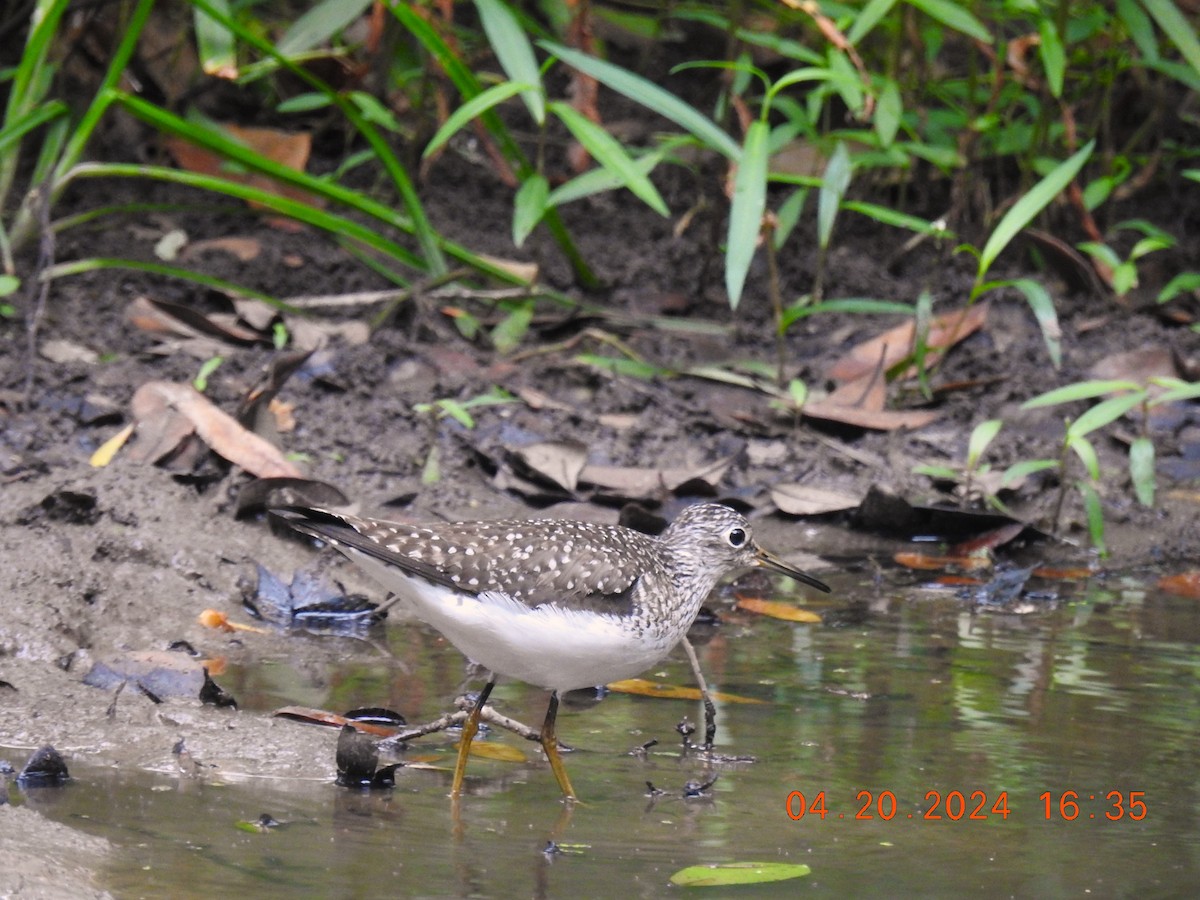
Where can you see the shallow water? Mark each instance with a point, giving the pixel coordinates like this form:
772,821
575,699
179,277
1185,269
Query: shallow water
897,700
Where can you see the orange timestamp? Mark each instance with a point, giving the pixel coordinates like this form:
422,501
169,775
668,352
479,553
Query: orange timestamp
957,806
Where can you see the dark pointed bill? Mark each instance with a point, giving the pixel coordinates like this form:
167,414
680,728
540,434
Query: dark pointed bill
769,560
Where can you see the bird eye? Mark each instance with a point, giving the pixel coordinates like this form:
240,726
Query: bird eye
736,537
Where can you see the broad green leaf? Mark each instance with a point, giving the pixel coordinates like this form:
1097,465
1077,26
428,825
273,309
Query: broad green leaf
472,109
319,24
1081,390
648,94
1024,210
1177,28
954,15
867,18
746,209
1183,283
1141,469
981,436
214,42
889,110
1104,413
9,284
1054,57
727,874
1087,455
846,81
529,206
833,188
1095,516
608,152
1042,305
511,46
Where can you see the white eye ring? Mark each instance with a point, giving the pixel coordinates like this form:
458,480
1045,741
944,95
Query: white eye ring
737,537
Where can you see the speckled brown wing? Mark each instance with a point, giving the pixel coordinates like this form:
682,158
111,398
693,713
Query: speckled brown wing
585,565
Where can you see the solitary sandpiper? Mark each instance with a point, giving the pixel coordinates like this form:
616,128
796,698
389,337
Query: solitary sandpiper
559,604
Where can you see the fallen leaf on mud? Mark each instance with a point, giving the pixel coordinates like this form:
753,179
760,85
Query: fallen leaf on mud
245,249
635,482
804,500
893,346
776,610
1186,584
59,351
989,540
876,420
171,409
162,673
560,462
642,688
105,452
1136,365
164,317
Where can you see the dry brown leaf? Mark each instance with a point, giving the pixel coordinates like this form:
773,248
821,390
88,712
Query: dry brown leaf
245,249
105,452
882,420
631,481
502,752
777,610
560,462
925,562
887,349
804,500
154,401
1185,584
333,720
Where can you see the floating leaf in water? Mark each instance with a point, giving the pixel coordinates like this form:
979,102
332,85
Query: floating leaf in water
502,752
1185,584
726,874
643,688
776,610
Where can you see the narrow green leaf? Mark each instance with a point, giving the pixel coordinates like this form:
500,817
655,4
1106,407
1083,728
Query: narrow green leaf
200,382
515,53
1081,390
954,15
1095,516
457,412
648,94
1042,305
320,23
728,874
1054,57
26,123
981,436
529,206
507,335
1024,210
598,180
609,153
1137,23
1087,455
1177,28
746,210
1183,283
1104,413
472,109
92,264
634,368
857,306
1141,469
887,216
788,216
1177,390
833,188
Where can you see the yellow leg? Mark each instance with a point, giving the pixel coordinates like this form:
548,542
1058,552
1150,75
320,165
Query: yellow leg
470,729
550,745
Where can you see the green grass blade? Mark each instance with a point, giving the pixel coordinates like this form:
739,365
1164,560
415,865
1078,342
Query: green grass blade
1042,305
80,266
649,95
868,17
746,210
609,153
529,206
515,53
598,180
1104,413
1082,390
1024,210
1087,455
39,115
887,216
1095,516
982,435
1053,55
214,42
